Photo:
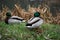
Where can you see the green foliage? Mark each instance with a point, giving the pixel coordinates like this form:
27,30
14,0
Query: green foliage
20,32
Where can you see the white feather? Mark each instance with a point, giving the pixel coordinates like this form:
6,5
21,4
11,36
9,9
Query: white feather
16,17
11,21
37,24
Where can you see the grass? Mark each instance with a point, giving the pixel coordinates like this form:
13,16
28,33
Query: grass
20,32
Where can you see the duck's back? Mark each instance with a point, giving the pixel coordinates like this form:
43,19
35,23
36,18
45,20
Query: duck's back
36,22
15,19
33,19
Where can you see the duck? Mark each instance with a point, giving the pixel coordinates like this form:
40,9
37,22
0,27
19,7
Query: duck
13,19
34,22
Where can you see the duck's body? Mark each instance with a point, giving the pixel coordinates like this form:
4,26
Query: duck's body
13,19
34,22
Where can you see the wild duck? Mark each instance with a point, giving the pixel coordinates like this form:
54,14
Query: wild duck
13,19
35,21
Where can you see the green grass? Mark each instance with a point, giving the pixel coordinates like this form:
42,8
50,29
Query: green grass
20,32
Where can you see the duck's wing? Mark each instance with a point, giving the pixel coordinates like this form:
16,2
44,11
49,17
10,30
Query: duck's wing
13,21
34,20
17,18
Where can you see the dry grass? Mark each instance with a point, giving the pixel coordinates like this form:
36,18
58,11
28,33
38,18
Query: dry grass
44,10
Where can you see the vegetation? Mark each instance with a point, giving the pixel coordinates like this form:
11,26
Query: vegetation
44,10
20,32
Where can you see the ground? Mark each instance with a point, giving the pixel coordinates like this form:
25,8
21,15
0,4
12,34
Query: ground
20,32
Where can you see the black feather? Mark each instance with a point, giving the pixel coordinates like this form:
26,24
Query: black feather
18,19
28,24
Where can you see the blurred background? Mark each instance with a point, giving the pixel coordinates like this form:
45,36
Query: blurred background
30,6
24,3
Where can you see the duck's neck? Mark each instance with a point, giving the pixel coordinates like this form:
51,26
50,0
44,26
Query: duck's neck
6,20
35,17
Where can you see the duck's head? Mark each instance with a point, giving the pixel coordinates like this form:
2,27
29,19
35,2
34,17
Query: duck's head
36,14
8,14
